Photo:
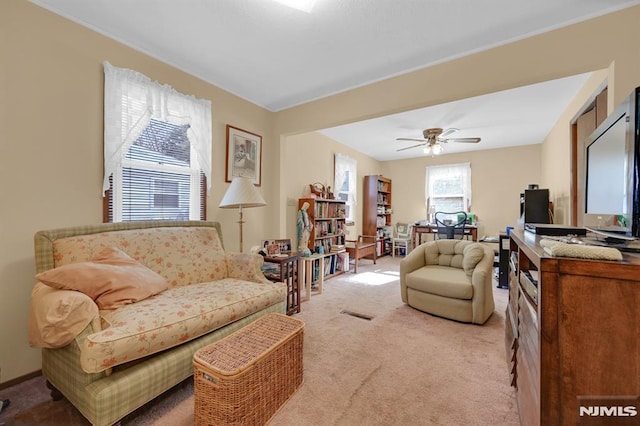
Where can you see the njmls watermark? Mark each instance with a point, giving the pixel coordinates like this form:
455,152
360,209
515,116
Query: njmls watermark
609,410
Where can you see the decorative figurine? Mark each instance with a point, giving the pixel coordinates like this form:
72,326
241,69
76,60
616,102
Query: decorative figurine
304,230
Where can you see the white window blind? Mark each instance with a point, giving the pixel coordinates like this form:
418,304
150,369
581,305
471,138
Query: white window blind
157,150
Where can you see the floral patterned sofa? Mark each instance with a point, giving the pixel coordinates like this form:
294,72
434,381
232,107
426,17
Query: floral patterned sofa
112,344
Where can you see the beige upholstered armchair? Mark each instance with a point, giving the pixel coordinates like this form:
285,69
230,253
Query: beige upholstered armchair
449,278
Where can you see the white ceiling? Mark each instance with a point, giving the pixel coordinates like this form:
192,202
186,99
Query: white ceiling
521,116
278,57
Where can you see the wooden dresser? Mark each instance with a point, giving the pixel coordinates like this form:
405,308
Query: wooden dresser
573,340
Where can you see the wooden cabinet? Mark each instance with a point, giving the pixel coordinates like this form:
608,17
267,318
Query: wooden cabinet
572,333
327,223
377,211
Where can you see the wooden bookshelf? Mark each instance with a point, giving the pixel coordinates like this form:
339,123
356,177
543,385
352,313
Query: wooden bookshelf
326,242
328,223
376,210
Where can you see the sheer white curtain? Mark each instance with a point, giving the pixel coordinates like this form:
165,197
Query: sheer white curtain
131,100
345,168
448,184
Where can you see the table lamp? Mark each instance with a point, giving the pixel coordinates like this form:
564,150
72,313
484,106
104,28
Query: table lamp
241,193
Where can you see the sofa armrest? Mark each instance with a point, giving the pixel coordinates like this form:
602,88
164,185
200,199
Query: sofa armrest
56,317
246,266
412,261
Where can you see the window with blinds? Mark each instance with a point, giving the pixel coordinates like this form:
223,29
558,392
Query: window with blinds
157,150
159,178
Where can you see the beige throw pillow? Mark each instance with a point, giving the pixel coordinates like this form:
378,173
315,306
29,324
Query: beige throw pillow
112,279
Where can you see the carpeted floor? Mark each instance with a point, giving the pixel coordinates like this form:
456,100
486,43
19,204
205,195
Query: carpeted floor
402,367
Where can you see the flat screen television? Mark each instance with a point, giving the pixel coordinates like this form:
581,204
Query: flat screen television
612,196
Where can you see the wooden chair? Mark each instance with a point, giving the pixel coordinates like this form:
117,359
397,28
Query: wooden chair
364,246
402,238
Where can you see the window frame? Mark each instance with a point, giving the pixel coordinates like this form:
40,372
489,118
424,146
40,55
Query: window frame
133,103
432,173
346,168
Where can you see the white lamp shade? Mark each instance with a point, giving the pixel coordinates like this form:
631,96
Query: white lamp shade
241,193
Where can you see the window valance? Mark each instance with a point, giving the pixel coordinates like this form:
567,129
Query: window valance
131,100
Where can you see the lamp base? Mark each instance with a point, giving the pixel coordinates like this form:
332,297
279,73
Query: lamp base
240,222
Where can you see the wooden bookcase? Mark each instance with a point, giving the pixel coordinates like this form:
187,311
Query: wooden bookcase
376,210
327,221
328,231
571,333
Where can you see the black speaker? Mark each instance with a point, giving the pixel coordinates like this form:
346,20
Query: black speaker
536,206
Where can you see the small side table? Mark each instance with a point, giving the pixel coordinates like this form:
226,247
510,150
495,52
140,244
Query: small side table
312,274
287,272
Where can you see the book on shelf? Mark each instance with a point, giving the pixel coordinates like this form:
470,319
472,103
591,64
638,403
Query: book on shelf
342,262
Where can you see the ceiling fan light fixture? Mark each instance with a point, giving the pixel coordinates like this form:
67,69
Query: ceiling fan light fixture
433,150
433,137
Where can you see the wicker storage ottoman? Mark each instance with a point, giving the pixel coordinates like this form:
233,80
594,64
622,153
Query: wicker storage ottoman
244,378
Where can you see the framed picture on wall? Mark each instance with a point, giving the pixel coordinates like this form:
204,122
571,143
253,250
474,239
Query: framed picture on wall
244,155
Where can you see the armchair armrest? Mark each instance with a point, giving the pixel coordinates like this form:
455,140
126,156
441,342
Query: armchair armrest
481,280
246,266
412,261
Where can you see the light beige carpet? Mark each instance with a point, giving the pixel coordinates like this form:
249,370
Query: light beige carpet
403,367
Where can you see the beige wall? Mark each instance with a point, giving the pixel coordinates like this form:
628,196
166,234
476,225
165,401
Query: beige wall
309,158
556,152
497,181
51,120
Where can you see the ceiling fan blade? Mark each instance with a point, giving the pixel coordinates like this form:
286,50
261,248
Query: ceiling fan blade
410,139
409,147
463,140
448,132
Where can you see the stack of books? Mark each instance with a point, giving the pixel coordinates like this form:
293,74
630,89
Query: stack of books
337,248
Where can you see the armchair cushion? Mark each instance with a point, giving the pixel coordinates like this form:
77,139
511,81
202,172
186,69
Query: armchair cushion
441,280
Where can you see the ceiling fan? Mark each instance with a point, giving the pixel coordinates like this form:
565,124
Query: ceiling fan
433,138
